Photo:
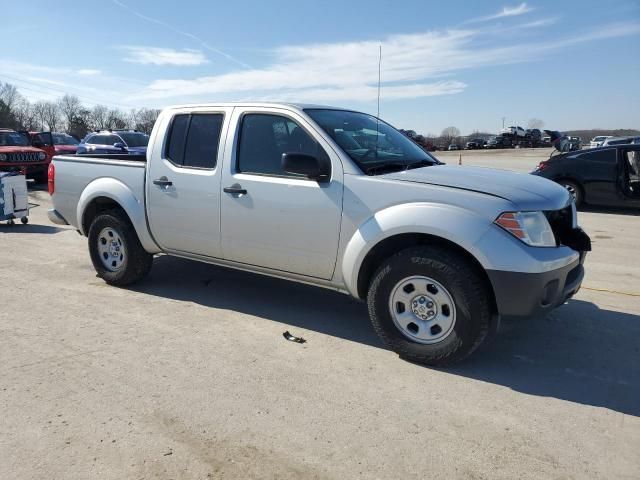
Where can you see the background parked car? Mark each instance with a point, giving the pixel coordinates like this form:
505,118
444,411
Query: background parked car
64,144
599,176
18,154
620,141
453,146
514,131
475,144
499,141
575,143
598,141
115,141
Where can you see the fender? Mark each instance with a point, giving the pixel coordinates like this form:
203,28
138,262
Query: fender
452,223
123,196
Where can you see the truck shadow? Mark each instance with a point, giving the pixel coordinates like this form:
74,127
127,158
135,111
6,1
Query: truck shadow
30,228
579,353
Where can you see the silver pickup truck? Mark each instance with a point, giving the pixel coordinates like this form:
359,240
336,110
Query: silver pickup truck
337,199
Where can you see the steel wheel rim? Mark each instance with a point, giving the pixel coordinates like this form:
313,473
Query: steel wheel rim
422,309
111,249
571,190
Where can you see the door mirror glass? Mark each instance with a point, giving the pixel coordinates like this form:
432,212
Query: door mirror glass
119,145
307,165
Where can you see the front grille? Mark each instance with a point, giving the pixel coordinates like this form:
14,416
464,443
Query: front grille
23,157
561,222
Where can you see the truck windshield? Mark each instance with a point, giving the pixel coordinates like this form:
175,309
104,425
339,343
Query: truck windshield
134,139
13,139
374,145
63,139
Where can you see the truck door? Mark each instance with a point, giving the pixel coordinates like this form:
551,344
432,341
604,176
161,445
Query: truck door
271,218
183,182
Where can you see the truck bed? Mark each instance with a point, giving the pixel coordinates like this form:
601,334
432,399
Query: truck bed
73,173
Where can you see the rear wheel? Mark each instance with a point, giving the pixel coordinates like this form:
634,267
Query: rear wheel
116,252
430,305
574,189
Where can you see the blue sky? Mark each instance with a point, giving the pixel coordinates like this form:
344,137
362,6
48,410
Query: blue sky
573,64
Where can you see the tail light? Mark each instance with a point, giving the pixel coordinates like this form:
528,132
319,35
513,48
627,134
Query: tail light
51,179
542,166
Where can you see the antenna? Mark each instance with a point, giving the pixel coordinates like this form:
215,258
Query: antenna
378,114
379,77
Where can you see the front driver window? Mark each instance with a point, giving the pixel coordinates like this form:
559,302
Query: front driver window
263,140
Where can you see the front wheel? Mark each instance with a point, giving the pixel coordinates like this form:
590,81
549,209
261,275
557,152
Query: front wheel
430,305
116,252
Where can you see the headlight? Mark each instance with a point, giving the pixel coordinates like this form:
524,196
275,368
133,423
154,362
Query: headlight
3,157
42,155
531,227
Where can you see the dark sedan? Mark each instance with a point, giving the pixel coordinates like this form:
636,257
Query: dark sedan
607,176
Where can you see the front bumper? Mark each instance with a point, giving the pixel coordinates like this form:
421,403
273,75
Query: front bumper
531,294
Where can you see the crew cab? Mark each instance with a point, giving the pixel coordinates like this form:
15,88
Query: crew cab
607,176
17,154
338,199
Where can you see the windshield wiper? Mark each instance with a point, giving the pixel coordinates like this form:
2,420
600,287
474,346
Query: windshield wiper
384,167
418,164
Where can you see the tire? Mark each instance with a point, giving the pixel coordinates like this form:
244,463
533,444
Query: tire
133,263
468,302
575,190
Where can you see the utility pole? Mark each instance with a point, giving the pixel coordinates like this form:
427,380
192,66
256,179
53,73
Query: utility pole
503,119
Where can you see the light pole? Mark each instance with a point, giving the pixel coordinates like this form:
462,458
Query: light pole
503,119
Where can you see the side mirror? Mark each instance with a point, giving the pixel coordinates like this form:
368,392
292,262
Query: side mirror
37,144
120,145
307,165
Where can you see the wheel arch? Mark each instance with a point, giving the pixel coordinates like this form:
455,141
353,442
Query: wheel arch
396,228
107,194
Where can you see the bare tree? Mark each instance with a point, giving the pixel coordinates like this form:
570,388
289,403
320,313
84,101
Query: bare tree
52,116
99,114
25,115
143,119
450,134
535,123
70,108
9,95
40,112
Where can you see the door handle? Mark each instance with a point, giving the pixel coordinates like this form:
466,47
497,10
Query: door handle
235,189
163,182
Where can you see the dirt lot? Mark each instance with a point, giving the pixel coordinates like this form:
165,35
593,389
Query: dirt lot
188,376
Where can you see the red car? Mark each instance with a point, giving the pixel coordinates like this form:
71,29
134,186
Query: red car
64,144
17,153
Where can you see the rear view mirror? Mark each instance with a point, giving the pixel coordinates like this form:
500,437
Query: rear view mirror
307,165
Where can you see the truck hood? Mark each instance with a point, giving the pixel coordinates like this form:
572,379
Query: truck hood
527,192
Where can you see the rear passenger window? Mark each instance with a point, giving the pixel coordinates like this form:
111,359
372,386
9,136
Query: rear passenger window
603,156
194,140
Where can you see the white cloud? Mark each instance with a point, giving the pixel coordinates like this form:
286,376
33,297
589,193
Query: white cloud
163,56
89,71
505,12
413,66
188,35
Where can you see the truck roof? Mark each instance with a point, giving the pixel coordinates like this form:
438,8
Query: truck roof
289,105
